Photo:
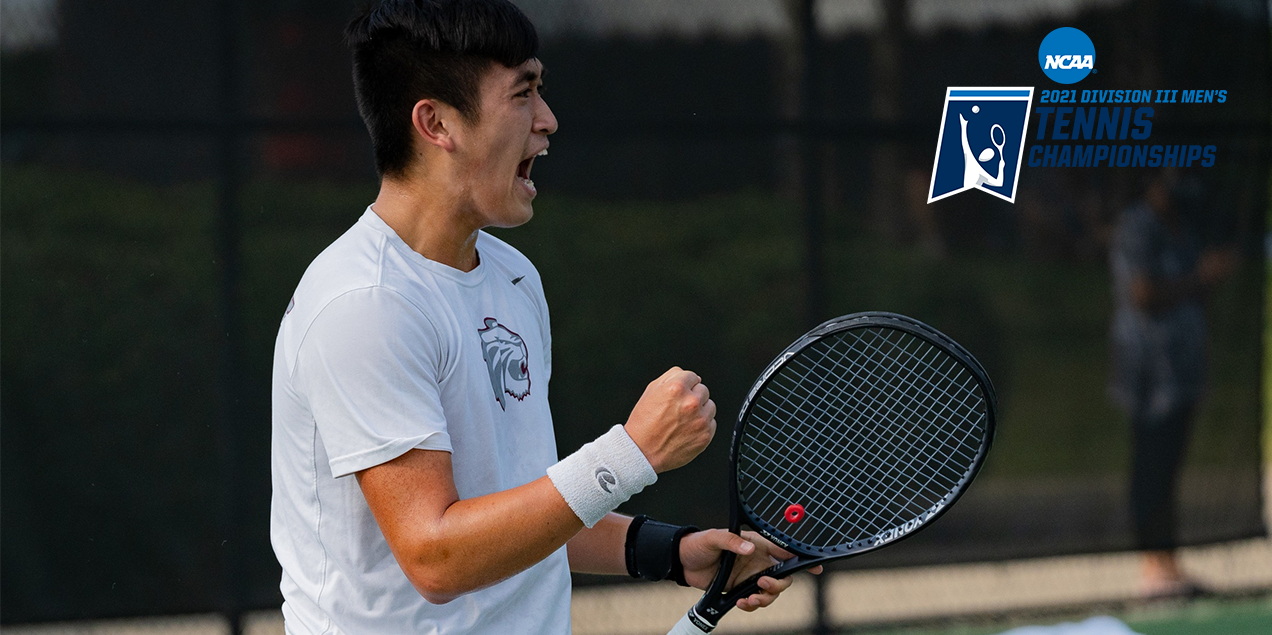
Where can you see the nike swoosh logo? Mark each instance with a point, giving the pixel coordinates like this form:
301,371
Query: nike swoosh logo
518,279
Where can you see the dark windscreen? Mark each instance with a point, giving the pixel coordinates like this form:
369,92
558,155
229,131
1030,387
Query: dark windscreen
170,169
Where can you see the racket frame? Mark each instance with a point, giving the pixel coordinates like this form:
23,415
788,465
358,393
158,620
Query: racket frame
717,600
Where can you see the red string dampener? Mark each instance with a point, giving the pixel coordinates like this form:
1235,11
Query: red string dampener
794,513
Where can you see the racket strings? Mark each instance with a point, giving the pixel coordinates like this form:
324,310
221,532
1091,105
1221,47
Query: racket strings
866,429
910,469
838,448
952,403
837,484
893,490
876,442
833,415
894,493
898,490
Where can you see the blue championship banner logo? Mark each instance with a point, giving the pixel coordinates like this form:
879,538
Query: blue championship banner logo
981,142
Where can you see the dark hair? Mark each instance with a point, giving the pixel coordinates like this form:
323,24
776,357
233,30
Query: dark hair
408,50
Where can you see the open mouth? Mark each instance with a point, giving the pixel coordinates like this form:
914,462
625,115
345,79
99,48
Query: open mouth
523,169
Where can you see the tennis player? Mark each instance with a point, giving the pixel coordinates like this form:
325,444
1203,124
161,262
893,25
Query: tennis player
416,483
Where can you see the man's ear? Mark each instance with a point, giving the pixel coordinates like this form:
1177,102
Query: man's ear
433,122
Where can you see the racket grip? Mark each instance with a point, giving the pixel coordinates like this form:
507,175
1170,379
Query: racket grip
686,627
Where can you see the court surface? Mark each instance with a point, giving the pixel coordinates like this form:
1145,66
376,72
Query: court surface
1248,616
970,599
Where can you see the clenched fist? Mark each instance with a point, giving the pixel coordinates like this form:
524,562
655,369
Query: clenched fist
674,420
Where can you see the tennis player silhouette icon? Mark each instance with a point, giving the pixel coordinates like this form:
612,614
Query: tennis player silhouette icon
964,160
973,173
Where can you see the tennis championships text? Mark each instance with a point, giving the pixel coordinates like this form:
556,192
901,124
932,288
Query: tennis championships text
1114,123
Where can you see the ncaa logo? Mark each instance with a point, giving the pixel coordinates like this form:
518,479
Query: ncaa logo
1066,55
981,142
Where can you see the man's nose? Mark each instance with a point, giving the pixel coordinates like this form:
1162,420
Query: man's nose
544,121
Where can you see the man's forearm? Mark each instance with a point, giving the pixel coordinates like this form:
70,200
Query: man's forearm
447,546
480,541
600,550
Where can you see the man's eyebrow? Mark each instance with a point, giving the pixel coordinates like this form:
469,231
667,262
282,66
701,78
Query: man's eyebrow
527,76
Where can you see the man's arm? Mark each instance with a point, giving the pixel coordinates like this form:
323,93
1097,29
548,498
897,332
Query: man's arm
600,550
447,546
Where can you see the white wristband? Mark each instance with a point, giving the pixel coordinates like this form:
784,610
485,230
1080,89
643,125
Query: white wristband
602,475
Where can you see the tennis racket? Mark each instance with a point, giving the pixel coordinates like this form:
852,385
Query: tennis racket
994,138
858,435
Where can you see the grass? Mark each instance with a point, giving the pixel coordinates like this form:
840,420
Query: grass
1249,616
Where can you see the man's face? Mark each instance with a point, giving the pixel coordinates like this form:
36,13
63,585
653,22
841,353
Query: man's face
495,155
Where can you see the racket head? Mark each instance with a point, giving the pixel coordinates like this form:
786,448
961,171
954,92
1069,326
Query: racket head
1001,133
865,475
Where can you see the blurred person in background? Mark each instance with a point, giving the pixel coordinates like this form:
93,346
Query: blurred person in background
1161,276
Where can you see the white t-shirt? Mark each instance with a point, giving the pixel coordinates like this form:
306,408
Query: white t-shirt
382,351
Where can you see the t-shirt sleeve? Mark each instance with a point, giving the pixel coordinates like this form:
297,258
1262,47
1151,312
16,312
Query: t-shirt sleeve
369,368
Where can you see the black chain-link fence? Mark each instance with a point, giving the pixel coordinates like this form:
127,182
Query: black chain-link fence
726,174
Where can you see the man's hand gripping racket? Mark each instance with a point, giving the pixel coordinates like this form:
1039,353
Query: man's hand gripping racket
859,434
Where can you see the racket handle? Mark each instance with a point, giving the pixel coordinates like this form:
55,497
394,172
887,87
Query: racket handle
686,627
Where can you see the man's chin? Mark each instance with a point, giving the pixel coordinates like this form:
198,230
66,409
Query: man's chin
519,214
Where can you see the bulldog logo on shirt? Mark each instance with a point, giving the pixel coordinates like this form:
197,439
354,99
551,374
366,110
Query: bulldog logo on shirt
507,360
